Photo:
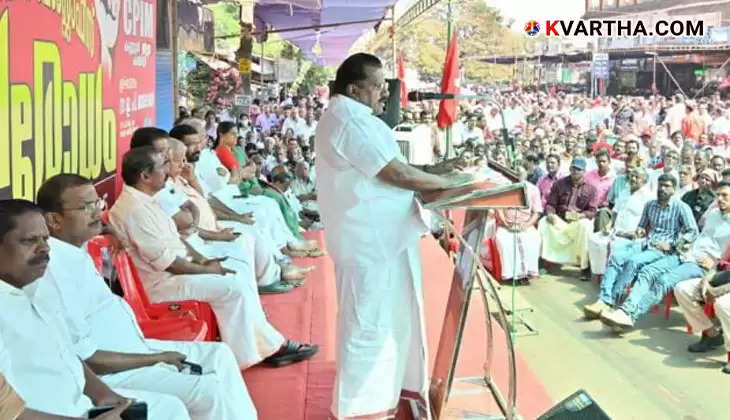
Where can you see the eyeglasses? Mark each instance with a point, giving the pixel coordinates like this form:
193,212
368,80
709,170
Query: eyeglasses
92,206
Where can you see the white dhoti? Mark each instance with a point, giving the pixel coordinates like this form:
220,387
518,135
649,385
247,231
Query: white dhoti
159,406
688,297
269,220
249,247
236,304
599,250
218,394
565,243
381,347
527,245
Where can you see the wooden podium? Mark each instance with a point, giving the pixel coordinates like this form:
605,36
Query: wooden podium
477,199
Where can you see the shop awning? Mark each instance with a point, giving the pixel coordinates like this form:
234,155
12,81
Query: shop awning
333,42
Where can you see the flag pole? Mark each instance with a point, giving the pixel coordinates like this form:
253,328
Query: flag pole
449,17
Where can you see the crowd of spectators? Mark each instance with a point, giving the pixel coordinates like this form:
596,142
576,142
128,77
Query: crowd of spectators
633,191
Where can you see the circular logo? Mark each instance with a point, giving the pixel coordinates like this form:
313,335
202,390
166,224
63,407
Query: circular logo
532,28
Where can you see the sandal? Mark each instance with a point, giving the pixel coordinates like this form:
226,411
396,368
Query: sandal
276,288
316,252
291,352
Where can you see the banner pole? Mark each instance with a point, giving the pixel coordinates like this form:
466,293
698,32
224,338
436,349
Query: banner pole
449,133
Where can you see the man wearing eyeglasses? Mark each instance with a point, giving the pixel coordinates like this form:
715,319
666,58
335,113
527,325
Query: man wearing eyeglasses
121,355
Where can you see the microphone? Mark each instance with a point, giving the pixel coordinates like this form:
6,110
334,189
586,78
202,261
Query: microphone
417,96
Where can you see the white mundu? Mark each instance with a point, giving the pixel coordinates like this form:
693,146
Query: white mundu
38,359
628,213
214,177
89,308
372,231
155,244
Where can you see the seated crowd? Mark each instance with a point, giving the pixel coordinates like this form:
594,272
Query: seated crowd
640,204
637,197
217,220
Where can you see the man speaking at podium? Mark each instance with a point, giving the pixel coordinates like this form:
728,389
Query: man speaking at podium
372,227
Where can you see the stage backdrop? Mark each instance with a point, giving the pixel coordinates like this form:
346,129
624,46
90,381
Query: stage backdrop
77,77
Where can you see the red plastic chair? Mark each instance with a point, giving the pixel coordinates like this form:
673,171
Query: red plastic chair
135,295
181,327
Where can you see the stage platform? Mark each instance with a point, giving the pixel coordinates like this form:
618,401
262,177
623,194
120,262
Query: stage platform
303,391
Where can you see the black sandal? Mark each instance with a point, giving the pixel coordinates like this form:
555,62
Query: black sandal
291,352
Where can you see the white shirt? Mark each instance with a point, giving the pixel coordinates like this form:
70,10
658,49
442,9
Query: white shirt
713,239
171,198
89,305
720,126
629,210
211,173
37,355
298,127
302,187
366,220
674,117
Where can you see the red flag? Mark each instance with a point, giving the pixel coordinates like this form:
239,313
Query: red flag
402,78
725,83
448,107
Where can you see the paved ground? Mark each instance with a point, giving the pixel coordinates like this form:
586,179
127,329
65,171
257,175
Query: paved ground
645,374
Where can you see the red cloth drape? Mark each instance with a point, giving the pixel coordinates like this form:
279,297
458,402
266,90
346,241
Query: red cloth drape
448,107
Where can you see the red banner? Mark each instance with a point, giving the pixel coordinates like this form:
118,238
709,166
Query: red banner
77,77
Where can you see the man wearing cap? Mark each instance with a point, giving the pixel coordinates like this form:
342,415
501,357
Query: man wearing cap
700,199
570,211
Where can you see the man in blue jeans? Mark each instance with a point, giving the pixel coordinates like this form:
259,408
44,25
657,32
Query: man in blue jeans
665,223
655,280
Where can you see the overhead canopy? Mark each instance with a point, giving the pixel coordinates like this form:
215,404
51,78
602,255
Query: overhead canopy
334,41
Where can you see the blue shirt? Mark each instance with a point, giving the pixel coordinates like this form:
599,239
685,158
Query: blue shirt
668,224
619,190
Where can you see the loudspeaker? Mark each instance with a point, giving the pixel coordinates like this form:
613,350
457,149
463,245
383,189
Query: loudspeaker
578,406
391,112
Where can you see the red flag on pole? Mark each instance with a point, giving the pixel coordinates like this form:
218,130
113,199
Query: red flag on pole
448,107
402,78
725,83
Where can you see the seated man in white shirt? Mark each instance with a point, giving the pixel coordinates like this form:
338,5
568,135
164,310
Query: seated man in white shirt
170,271
181,200
232,238
627,213
37,355
122,355
228,203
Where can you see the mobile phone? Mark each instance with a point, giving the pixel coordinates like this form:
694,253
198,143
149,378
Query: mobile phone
195,369
136,411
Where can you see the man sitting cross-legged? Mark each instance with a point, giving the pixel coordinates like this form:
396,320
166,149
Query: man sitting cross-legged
692,296
688,261
122,355
627,212
569,222
168,273
665,222
37,354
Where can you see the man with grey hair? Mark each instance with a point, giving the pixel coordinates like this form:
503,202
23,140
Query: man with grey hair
626,214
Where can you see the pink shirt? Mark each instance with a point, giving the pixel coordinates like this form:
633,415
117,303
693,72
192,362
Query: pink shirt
534,202
544,185
602,184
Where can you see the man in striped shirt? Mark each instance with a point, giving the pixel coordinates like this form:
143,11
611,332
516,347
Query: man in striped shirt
691,261
666,223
